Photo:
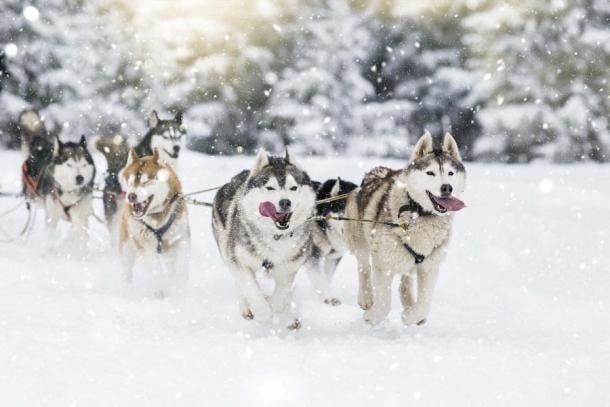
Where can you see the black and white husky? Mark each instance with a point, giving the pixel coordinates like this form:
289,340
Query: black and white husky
167,136
329,244
60,177
261,225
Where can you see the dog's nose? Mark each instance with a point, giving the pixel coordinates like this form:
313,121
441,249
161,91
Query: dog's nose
131,197
176,149
285,204
446,189
79,179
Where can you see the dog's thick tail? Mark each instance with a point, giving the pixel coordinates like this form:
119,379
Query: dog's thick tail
30,126
114,149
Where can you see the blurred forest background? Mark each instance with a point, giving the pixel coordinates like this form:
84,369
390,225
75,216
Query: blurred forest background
515,81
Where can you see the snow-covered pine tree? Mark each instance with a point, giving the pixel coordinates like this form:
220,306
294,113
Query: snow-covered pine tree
316,100
69,63
217,67
545,76
419,65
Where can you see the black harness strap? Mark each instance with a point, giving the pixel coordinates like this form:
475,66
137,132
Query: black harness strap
412,207
159,232
419,258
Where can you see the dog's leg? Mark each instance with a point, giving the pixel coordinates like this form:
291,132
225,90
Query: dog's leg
408,289
382,282
427,273
365,289
282,296
80,225
330,265
252,294
51,219
128,258
319,280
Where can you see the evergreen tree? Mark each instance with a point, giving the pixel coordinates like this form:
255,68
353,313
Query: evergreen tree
316,103
545,79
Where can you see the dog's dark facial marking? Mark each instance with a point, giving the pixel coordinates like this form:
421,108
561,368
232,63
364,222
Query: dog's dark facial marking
279,169
76,151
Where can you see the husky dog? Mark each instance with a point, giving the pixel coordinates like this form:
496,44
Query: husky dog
329,245
260,222
37,149
422,197
154,222
60,177
115,150
167,136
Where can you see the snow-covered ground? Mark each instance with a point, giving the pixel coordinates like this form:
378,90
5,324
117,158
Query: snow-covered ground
520,316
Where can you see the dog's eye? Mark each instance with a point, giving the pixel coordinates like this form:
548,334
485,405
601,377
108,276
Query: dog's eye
270,188
430,173
450,173
293,188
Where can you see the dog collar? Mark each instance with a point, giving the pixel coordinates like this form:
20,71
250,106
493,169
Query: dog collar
413,207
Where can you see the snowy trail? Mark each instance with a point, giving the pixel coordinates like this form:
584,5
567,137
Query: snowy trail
520,316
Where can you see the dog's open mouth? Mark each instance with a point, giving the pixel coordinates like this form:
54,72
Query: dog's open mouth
172,155
281,220
444,204
139,208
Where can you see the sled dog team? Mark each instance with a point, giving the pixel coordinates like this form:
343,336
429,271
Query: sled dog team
271,220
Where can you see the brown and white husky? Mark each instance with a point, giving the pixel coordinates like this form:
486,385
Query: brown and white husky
423,196
154,222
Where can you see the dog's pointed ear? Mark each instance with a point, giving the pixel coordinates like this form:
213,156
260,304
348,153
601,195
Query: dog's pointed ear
290,158
132,157
178,118
424,146
56,146
261,160
83,141
153,119
155,154
336,187
450,147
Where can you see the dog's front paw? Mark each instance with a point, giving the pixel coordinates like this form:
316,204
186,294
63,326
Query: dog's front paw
332,301
262,314
413,317
295,325
373,317
365,300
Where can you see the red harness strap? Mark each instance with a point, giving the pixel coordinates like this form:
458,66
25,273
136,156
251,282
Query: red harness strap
29,181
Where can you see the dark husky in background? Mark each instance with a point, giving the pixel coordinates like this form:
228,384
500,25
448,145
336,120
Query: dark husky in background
115,150
329,244
58,175
261,225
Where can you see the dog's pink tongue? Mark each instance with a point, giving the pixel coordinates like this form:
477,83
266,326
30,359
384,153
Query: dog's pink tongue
451,204
268,210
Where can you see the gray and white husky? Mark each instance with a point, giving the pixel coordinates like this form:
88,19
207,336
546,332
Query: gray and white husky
261,225
167,136
421,196
328,238
57,175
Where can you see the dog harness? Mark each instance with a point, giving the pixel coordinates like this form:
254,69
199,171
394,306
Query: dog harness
159,232
65,208
29,181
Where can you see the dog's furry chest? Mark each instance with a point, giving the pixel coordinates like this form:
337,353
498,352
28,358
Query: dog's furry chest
287,251
146,240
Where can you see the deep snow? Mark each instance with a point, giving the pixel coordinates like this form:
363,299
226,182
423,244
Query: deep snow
519,317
